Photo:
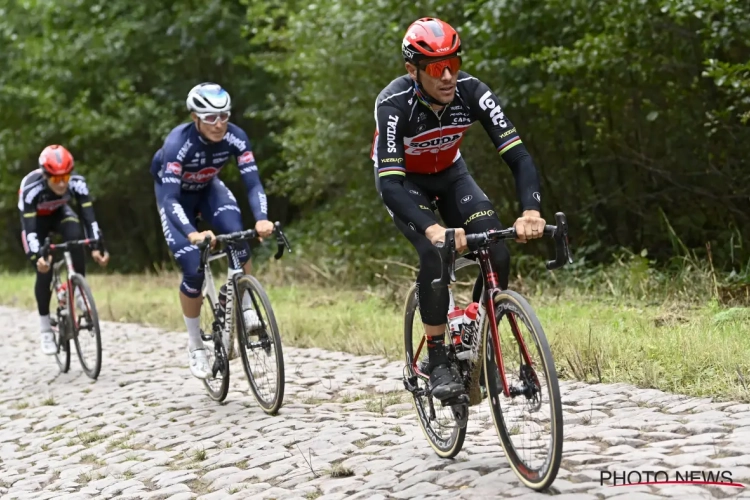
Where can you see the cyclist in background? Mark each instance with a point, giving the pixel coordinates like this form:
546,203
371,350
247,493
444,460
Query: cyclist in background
43,204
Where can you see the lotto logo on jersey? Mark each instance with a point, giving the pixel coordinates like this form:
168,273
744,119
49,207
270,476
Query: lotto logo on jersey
498,117
174,167
247,157
432,141
201,176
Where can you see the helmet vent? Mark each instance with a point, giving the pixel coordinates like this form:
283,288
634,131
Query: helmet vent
425,46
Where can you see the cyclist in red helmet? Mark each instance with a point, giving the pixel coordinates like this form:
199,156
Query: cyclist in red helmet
43,202
421,119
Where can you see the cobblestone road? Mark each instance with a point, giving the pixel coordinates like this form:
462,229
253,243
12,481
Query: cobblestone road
146,429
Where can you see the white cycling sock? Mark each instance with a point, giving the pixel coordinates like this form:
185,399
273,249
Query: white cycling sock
247,302
194,332
44,323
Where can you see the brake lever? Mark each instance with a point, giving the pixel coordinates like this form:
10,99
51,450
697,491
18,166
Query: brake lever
562,247
205,247
447,252
281,240
45,249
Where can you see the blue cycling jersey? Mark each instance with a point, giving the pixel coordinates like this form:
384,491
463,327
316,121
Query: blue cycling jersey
187,163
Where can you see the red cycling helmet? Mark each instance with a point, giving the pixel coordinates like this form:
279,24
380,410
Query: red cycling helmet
430,38
56,160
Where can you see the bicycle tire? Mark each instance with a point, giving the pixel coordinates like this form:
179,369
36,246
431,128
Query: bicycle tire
444,448
249,283
91,371
540,478
219,393
62,356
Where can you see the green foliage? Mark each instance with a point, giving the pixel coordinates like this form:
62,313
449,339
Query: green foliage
636,113
108,80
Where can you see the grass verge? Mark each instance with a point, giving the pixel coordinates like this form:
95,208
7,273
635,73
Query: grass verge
700,349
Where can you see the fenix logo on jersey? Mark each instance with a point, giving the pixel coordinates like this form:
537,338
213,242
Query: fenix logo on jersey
486,102
183,150
235,141
391,133
432,141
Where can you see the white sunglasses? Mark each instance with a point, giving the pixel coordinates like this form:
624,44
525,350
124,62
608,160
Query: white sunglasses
212,118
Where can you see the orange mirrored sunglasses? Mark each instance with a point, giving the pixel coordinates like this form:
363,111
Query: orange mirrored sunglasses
59,178
436,69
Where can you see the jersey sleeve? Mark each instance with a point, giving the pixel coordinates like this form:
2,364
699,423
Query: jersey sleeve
486,108
388,157
80,191
256,196
168,193
27,201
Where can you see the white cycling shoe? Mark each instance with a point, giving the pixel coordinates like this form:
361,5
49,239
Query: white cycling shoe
47,339
199,366
252,321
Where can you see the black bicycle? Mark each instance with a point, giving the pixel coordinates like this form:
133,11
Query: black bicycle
260,345
522,378
76,318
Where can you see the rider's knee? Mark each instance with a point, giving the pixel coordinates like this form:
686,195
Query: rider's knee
430,263
188,258
191,284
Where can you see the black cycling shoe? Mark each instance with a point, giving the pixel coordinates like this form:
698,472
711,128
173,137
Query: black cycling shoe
444,383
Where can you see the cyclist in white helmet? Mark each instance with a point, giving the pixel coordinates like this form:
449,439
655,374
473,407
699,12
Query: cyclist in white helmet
186,182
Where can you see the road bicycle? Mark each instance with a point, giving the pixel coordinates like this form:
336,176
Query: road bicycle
222,323
494,360
76,318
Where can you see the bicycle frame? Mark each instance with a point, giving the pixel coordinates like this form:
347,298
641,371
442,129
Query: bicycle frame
210,287
68,260
491,286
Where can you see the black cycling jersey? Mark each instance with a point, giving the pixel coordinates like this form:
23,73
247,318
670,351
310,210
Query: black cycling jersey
410,137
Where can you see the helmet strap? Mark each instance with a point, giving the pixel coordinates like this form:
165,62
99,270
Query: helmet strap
423,94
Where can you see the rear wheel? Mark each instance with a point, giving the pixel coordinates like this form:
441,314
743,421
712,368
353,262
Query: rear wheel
86,333
217,383
438,423
529,422
260,348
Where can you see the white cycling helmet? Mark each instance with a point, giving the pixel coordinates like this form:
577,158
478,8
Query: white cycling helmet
208,98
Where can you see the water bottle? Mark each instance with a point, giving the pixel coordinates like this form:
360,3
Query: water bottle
62,294
455,321
469,324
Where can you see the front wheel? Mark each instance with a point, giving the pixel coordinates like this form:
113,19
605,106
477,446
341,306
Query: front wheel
529,420
260,346
86,333
438,423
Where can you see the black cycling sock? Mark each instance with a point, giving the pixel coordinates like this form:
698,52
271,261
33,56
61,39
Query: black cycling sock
436,350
